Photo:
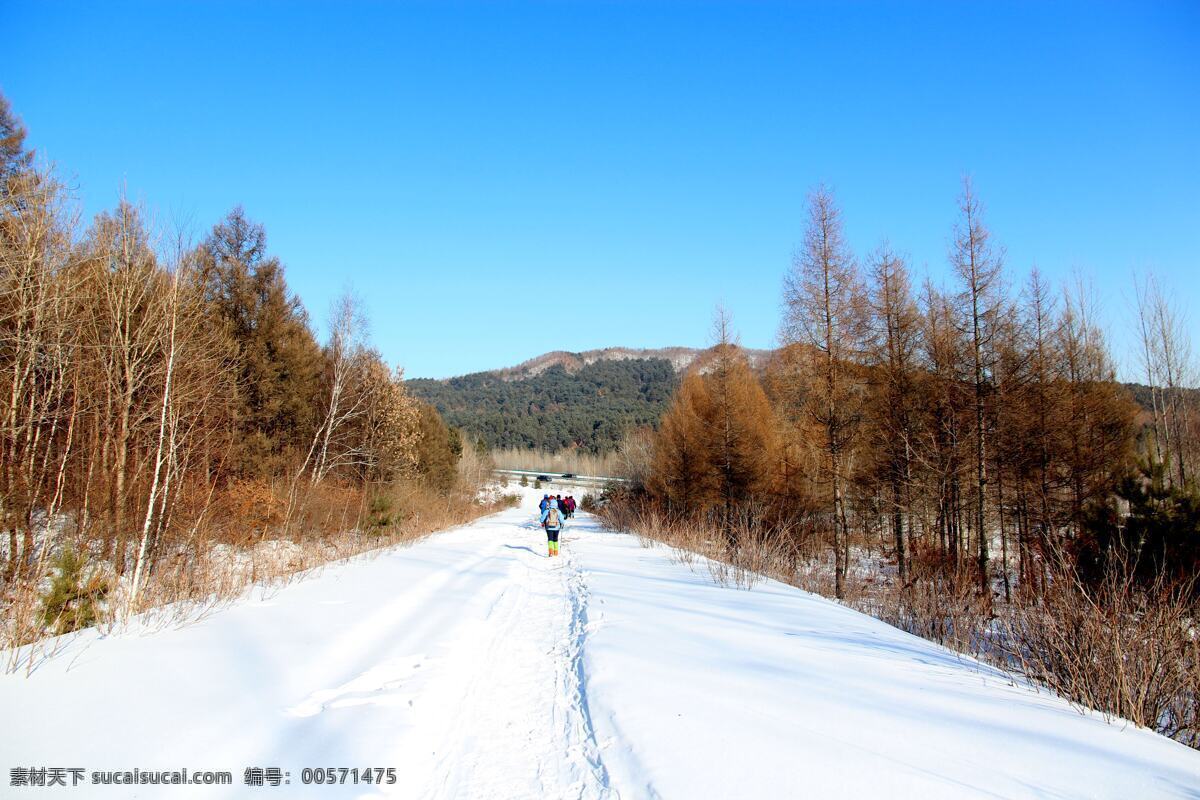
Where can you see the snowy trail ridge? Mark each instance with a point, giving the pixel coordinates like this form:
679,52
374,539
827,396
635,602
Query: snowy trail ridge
475,667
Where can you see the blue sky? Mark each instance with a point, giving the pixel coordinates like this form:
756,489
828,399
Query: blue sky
502,179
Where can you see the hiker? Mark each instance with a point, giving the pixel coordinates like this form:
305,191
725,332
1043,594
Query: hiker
545,503
570,506
552,521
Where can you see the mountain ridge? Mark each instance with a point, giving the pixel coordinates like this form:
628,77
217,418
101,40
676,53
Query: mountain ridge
680,358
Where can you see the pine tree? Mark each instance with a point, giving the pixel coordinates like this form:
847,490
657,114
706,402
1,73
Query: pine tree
14,158
279,361
437,463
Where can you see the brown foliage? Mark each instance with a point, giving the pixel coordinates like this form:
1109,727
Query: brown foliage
716,445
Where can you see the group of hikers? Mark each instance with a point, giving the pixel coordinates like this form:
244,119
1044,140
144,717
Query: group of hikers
555,513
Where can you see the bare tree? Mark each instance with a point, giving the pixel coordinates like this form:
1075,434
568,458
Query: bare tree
163,448
125,327
344,354
1176,371
978,265
1043,431
896,337
944,432
38,345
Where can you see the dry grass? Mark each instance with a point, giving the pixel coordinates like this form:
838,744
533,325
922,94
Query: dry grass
608,465
756,552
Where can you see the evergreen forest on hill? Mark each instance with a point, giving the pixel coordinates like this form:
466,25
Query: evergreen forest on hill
588,409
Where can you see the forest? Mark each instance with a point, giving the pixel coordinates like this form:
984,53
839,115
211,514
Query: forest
172,427
589,409
959,461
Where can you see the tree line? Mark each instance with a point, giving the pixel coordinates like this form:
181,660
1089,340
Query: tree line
950,423
157,390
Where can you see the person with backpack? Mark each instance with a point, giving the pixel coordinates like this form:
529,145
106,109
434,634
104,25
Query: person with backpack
545,502
552,521
570,504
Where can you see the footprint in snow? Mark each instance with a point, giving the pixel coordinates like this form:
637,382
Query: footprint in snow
373,687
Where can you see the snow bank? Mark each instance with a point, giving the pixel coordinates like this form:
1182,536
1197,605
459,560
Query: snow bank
699,690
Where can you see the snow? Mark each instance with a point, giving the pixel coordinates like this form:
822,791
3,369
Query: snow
477,667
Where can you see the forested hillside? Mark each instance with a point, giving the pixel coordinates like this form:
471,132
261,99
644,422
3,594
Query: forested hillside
590,408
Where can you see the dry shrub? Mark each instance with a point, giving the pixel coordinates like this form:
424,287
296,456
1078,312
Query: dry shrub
940,601
251,506
24,624
325,509
1128,649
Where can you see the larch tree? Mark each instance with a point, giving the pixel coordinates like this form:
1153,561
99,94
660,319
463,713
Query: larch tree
1098,421
682,476
14,158
1008,354
895,339
944,437
1039,427
390,428
978,265
824,311
739,427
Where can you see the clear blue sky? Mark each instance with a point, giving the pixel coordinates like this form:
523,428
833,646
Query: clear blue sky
503,179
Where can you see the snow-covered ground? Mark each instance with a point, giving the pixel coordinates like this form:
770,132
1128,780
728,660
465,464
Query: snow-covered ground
476,667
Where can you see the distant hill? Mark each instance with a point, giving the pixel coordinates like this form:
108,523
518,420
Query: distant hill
562,399
555,403
1142,396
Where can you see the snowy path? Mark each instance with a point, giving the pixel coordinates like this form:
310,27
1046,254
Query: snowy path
478,668
518,724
